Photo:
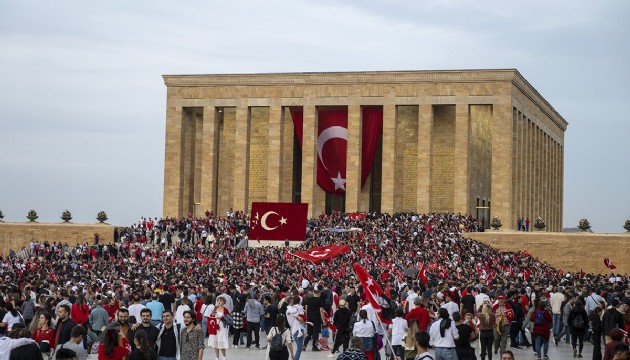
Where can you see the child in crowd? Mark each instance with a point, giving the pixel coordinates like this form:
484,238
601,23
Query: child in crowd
323,339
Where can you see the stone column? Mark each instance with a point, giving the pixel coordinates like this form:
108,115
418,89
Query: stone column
240,201
425,137
388,158
502,162
274,180
172,162
309,159
209,160
462,130
353,159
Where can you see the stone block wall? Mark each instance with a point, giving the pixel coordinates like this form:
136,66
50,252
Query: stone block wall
443,159
567,251
18,235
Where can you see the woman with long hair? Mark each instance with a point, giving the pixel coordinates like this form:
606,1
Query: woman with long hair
80,312
287,342
578,320
409,340
44,335
217,330
366,330
486,334
143,350
114,346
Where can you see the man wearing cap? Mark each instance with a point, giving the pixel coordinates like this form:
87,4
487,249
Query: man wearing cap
341,319
504,315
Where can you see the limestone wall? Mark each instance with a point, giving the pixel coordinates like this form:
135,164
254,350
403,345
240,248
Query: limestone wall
18,235
568,251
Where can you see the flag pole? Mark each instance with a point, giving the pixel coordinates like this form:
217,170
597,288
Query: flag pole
385,334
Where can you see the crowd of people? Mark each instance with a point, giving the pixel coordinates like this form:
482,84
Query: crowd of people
170,288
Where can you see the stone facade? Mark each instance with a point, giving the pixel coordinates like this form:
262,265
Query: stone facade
483,142
19,235
566,251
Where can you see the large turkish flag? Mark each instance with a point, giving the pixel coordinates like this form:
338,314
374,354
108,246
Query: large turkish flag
278,221
332,143
319,253
373,291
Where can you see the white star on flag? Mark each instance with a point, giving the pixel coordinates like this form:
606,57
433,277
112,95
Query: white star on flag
339,182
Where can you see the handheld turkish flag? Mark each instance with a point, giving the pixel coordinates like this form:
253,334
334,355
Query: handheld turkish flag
609,264
373,291
422,274
581,273
278,221
319,253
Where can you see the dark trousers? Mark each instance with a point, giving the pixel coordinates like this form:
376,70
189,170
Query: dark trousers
597,346
486,337
313,331
575,339
342,338
255,328
237,337
514,330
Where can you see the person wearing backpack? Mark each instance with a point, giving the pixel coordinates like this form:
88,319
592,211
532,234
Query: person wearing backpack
578,320
542,320
280,345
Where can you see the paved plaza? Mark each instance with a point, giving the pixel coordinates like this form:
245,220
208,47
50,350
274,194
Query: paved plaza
562,351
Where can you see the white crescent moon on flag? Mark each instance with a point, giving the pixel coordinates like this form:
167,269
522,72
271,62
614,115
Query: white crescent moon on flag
263,221
330,133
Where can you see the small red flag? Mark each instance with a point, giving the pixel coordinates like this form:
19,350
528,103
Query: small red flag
609,264
581,273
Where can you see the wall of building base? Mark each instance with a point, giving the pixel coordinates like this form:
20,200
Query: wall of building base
567,251
18,235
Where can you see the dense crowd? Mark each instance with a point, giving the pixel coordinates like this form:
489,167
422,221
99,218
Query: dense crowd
203,260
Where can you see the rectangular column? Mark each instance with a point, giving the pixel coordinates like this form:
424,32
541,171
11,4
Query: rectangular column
309,159
462,131
502,162
172,162
425,138
240,201
353,159
389,158
209,160
274,165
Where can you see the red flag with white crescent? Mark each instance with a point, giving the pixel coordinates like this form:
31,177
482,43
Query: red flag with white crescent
319,253
278,221
332,143
609,264
422,274
373,291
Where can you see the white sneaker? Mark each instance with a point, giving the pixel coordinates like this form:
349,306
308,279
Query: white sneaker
331,355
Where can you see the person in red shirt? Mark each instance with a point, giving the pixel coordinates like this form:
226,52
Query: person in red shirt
80,312
114,346
420,314
44,334
541,332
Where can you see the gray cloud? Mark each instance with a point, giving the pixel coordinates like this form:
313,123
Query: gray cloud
83,103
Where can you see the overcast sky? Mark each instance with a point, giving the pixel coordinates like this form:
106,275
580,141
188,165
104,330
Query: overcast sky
82,101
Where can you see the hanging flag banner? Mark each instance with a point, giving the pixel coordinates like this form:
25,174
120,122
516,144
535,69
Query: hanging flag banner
278,221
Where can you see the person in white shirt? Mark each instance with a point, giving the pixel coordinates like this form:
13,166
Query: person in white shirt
443,334
481,297
398,331
183,307
136,307
295,318
365,329
411,296
556,300
450,306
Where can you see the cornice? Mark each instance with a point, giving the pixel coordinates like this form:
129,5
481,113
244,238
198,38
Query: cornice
331,78
528,90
